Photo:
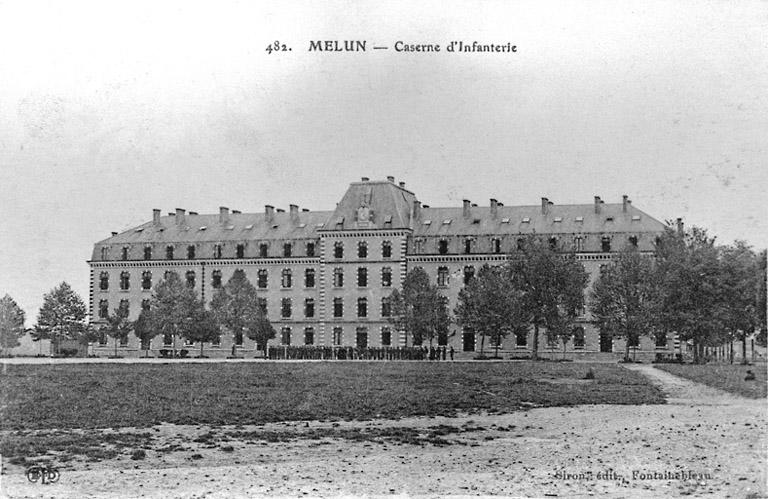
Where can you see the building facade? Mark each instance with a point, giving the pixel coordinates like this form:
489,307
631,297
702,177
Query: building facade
325,276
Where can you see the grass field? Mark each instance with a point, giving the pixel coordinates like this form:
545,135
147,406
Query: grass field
120,395
728,377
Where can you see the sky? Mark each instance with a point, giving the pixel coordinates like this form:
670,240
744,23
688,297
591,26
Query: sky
111,109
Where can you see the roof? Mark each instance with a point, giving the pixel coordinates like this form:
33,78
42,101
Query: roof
512,220
240,227
373,205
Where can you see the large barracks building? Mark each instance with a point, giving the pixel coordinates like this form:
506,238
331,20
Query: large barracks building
326,276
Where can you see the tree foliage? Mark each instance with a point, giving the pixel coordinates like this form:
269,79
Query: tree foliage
62,316
118,326
174,307
418,308
11,323
203,328
144,330
236,307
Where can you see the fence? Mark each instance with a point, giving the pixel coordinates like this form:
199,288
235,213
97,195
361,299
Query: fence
310,352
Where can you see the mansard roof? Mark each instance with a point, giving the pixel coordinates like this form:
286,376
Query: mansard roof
559,219
238,227
373,205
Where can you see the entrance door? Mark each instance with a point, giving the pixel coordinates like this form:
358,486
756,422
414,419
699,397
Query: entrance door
469,342
606,343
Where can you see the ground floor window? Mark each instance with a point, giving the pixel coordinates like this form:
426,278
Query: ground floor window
521,339
468,342
362,337
578,337
286,336
337,335
386,337
606,342
309,336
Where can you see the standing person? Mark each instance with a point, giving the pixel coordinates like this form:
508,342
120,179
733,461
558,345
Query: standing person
443,352
451,351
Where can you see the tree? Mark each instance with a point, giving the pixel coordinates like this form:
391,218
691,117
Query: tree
624,299
142,328
203,328
490,307
261,331
689,275
236,307
418,309
174,306
11,323
551,283
762,336
118,326
62,316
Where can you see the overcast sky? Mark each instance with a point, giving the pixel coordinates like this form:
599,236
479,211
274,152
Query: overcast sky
110,109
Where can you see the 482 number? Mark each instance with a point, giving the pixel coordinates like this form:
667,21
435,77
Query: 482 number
277,47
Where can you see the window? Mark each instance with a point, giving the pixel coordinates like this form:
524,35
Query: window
262,304
191,252
309,307
521,339
125,307
338,249
362,277
217,250
362,307
361,337
337,335
285,335
468,245
103,309
520,244
287,250
287,278
633,241
261,278
578,243
386,337
104,252
578,337
104,281
125,280
606,244
285,308
124,253
469,274
661,340
240,251
338,307
386,277
190,278
362,249
442,246
263,250
496,245
386,249
338,277
634,341
169,252
310,249
553,243
386,306
145,305
216,282
216,342
146,280
309,278
442,276
147,252
309,336
239,338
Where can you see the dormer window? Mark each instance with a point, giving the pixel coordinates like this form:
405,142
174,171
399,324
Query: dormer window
609,219
442,246
468,245
287,250
124,253
635,218
104,252
427,222
240,251
526,220
263,250
633,241
310,249
217,250
496,245
447,221
505,220
169,252
605,244
579,219
558,219
147,252
191,252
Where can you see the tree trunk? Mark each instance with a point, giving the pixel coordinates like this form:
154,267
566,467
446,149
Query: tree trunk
115,346
731,352
482,344
626,350
744,349
201,349
695,351
535,347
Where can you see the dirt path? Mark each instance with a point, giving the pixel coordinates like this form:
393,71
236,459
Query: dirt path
719,438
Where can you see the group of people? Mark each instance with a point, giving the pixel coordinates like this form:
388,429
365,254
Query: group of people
313,352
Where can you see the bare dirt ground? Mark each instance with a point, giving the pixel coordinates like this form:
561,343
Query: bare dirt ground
551,452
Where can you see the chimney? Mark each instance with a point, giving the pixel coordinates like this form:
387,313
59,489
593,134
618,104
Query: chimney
223,214
156,216
294,213
305,210
114,234
544,206
192,213
425,206
391,179
680,227
597,204
466,211
624,203
402,185
494,208
236,212
365,179
269,213
280,210
416,209
180,220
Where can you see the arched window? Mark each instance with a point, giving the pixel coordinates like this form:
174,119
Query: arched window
309,336
386,336
468,245
263,250
578,337
191,252
386,277
362,307
362,277
442,246
578,243
216,281
310,249
217,250
633,241
261,278
104,252
309,278
338,277
309,307
190,278
287,250
125,280
240,251
553,243
287,278
338,307
103,309
469,274
147,252
124,253
386,249
362,249
285,335
146,280
337,335
169,252
104,281
442,276
285,308
338,249
386,306
496,245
